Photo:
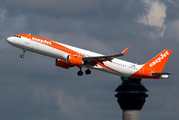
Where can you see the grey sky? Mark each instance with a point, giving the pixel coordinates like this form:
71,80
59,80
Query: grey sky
33,88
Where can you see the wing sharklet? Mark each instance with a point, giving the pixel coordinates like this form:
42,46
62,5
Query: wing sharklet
124,52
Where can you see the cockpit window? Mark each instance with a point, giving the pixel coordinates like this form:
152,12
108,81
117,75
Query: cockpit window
17,36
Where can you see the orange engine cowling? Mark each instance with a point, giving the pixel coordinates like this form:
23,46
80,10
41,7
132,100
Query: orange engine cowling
74,60
62,63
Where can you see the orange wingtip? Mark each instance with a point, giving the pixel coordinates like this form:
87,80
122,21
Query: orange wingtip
124,52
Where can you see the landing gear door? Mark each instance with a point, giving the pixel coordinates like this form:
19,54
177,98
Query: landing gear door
27,41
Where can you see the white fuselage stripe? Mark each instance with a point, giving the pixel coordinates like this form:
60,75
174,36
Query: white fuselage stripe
117,66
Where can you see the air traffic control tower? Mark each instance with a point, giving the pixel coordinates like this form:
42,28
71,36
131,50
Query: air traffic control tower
131,97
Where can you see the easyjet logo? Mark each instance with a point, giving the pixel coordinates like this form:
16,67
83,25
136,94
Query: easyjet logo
159,59
40,40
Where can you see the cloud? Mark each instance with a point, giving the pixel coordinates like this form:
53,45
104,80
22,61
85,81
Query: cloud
2,15
155,15
174,2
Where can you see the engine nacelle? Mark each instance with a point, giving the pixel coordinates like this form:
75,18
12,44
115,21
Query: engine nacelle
74,60
62,63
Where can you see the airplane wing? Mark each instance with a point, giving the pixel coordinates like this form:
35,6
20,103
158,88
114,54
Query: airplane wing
94,60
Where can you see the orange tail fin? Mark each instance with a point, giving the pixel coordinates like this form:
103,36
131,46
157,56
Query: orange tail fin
158,62
153,68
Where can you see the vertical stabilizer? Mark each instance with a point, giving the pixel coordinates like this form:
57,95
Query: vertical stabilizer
158,62
154,67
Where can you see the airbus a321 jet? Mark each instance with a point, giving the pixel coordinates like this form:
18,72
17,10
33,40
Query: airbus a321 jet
68,56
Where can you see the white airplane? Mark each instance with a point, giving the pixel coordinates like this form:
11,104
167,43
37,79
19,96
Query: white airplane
68,56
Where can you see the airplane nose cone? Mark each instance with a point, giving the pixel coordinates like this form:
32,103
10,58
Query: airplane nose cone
9,39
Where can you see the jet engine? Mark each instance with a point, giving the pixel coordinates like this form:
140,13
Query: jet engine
74,60
62,63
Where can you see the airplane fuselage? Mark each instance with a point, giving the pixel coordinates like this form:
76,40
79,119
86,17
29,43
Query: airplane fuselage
62,51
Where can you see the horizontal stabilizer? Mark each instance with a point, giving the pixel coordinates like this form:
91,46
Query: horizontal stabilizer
155,74
162,75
